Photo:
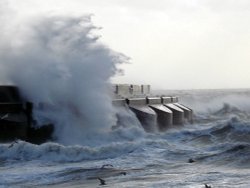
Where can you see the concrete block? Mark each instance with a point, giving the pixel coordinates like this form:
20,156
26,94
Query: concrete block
136,101
146,116
135,90
144,113
164,116
188,113
123,90
145,89
178,114
153,100
166,100
174,99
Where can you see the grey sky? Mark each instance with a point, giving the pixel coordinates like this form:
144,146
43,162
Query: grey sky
173,44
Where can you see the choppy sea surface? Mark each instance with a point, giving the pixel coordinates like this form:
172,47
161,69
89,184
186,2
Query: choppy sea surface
214,150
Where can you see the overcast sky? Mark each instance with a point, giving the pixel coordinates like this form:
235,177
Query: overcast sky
173,44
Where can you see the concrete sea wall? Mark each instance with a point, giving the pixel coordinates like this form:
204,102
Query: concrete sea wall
156,113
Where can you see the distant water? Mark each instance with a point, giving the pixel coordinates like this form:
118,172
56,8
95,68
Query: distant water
218,142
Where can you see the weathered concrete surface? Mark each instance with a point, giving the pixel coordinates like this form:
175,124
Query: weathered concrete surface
147,117
166,100
136,101
152,112
144,113
164,115
156,113
188,113
145,90
178,114
135,90
175,99
130,90
123,90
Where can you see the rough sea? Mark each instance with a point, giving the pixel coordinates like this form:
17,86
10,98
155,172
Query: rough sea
214,150
58,60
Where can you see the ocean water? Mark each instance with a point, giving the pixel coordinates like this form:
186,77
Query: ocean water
218,142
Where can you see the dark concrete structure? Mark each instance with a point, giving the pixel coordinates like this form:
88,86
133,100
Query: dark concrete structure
16,118
13,118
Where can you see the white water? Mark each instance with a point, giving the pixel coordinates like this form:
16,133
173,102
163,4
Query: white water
59,65
218,141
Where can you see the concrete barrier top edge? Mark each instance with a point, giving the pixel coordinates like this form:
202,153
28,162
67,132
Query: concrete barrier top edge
154,100
172,106
136,101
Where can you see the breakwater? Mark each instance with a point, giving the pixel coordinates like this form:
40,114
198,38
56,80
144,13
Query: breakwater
154,113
